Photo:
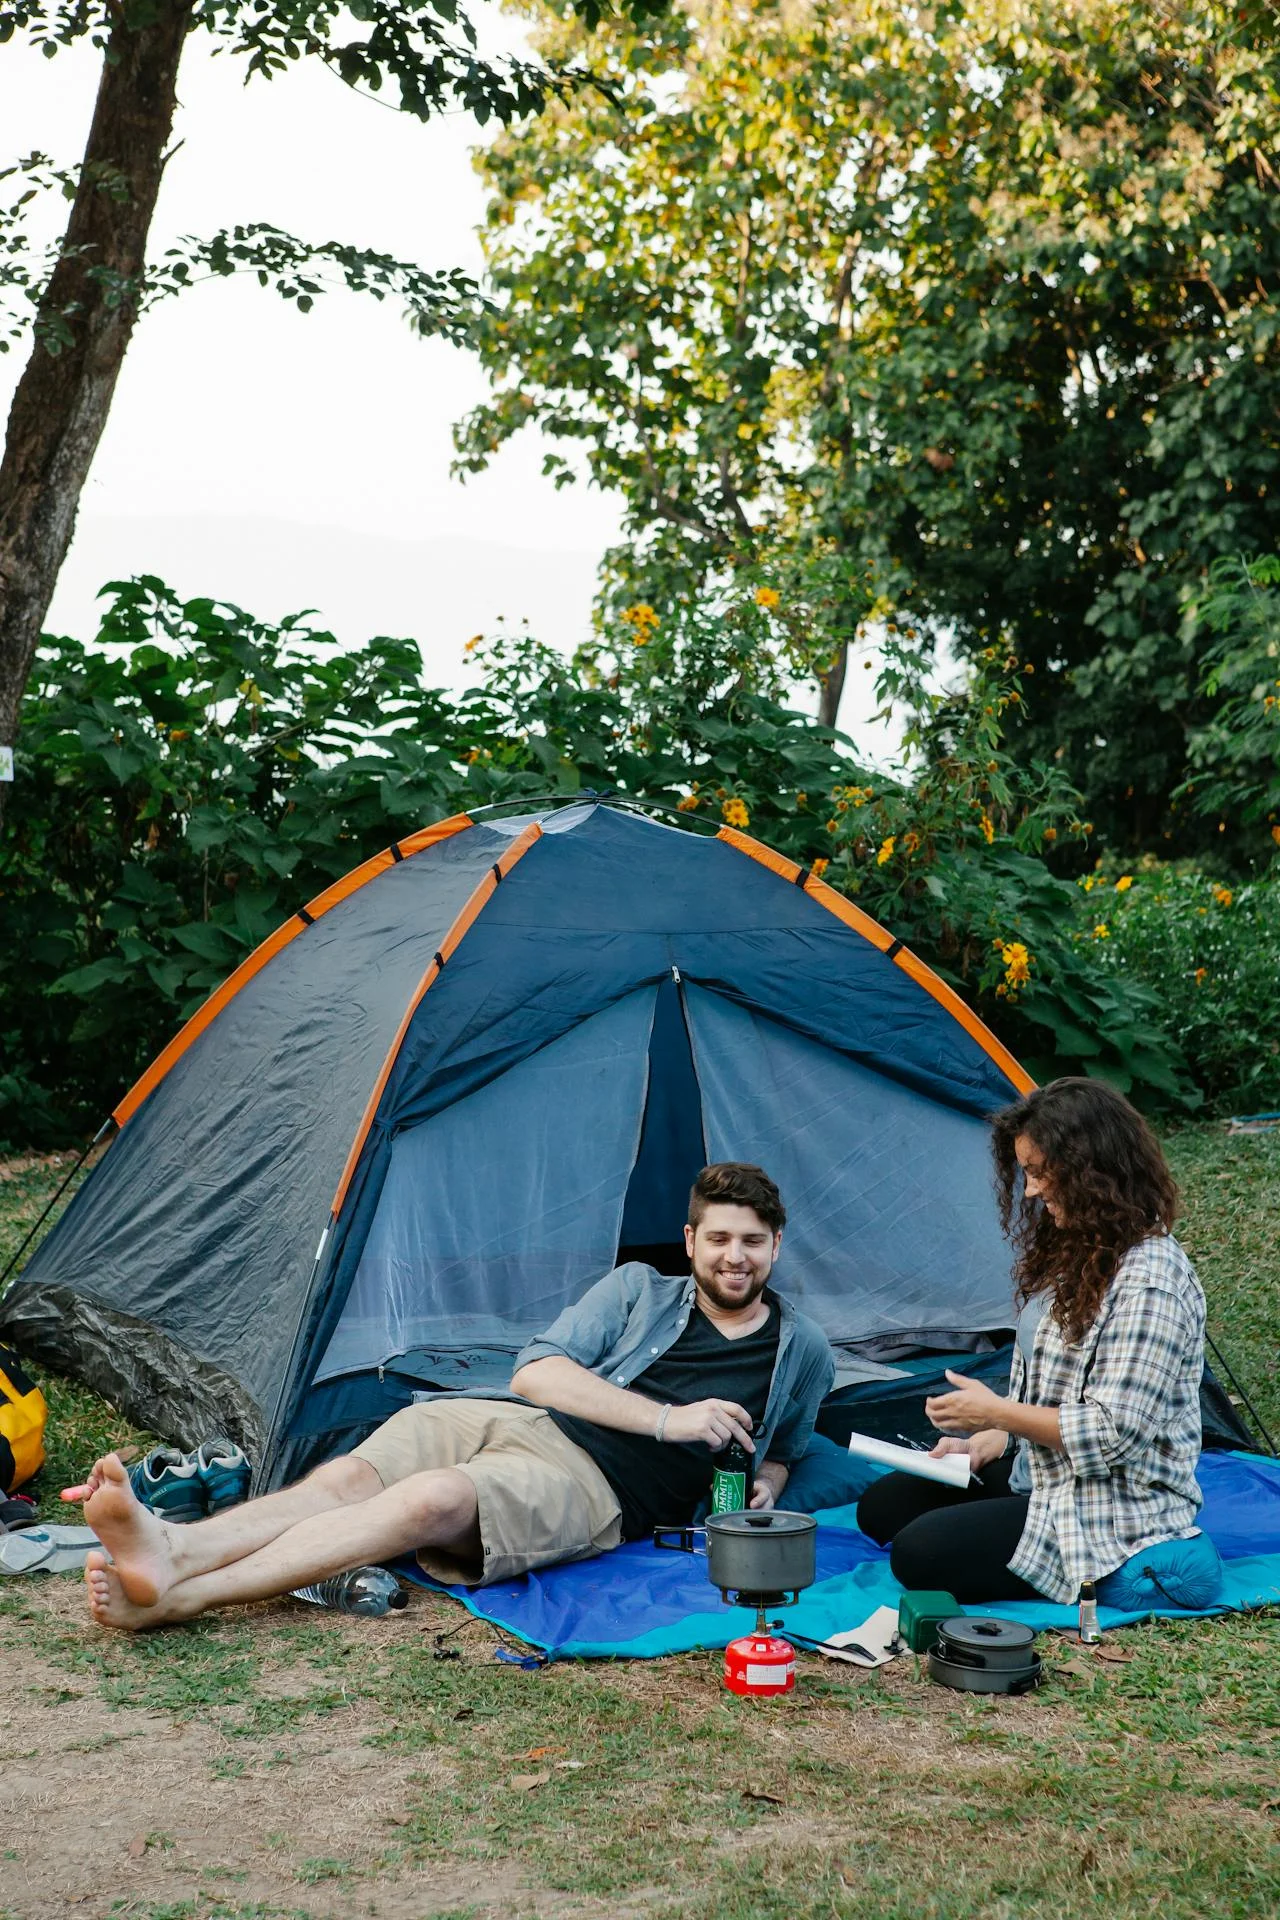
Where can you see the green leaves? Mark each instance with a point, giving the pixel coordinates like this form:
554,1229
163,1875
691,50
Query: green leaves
980,301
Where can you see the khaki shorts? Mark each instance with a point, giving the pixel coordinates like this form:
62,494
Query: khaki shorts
540,1498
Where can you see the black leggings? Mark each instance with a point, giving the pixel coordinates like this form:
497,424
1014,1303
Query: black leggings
957,1540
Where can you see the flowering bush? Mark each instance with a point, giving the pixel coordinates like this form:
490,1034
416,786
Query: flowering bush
179,795
1210,952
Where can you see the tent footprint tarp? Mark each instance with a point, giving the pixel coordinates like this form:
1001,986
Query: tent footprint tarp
638,1603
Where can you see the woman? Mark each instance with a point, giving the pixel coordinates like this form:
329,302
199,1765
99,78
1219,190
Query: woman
1091,1459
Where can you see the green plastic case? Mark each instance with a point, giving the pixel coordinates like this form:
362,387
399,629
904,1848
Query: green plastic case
919,1616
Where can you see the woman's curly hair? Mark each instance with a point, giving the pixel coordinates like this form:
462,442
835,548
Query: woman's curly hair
1108,1175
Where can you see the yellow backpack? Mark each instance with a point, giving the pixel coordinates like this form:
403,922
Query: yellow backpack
23,1415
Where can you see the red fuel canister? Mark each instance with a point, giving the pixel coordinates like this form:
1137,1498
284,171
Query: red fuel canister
759,1664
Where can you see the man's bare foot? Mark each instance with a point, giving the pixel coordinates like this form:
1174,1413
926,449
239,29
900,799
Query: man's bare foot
110,1605
136,1539
89,1487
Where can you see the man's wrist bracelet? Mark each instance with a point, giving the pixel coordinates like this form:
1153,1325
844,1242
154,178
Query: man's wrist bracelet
660,1431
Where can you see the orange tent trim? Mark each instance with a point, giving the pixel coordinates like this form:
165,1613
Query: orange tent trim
296,923
881,937
483,893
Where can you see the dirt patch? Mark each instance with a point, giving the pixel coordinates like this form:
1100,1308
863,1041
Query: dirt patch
108,1809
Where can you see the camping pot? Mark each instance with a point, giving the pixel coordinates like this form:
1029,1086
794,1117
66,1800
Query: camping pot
761,1556
980,1655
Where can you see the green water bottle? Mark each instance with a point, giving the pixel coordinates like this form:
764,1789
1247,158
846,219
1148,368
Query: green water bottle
731,1480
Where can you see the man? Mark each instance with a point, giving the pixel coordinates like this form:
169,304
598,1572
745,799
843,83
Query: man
624,1403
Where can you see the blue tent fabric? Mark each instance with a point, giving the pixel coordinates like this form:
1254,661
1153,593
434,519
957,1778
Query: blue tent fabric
640,1602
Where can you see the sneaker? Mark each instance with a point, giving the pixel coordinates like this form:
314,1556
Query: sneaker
224,1473
169,1483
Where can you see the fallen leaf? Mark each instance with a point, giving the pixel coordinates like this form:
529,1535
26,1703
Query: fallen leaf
540,1753
1112,1651
522,1782
465,1713
1070,1670
757,1793
137,1846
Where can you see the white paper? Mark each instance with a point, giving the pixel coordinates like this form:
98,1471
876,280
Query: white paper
951,1468
876,1641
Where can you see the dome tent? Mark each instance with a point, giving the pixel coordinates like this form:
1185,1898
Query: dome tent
461,1083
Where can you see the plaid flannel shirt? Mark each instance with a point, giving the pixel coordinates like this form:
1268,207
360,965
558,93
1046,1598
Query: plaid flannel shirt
1128,1400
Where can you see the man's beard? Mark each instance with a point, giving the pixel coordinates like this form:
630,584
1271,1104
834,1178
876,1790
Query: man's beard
731,1302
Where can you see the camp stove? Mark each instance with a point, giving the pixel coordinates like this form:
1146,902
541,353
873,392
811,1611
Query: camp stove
762,1560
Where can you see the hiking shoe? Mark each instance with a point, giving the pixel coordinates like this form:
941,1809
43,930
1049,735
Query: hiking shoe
169,1483
223,1471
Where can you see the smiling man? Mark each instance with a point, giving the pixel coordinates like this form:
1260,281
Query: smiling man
615,1418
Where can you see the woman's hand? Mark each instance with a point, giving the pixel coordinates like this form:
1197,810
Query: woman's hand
982,1448
968,1409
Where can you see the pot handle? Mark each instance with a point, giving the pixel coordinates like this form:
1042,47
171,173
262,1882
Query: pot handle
677,1539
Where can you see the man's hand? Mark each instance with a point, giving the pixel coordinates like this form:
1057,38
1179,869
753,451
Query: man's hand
714,1422
982,1447
771,1478
967,1409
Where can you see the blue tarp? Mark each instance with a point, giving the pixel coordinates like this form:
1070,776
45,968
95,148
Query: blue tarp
594,1607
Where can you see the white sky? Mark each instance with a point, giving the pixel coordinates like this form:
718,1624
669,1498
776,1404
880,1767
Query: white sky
284,460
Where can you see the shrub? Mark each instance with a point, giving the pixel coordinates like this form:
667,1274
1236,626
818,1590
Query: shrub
1208,948
196,776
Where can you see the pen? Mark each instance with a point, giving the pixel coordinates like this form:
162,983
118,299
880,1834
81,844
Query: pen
916,1446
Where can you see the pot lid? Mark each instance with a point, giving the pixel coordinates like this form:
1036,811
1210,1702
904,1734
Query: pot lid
982,1635
769,1523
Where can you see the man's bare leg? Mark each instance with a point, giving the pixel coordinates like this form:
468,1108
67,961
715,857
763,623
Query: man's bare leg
436,1508
151,1555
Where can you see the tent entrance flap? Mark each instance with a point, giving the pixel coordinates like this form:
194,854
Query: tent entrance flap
672,1148
891,1213
499,1211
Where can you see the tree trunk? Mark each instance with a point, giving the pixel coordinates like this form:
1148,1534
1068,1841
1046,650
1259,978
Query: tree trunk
62,401
831,684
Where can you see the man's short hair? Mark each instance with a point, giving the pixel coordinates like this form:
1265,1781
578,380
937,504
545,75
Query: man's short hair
737,1184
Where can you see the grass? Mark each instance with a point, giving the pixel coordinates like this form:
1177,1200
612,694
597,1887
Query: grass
1140,1784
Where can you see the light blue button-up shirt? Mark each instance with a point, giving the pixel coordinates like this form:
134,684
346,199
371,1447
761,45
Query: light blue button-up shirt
625,1321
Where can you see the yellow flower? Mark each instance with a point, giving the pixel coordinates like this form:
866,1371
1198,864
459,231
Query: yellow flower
1017,963
1088,882
819,867
1050,834
1124,883
688,804
1223,896
473,643
1275,835
802,799
735,813
1102,931
642,620
767,597
886,851
1201,975
910,841
833,826
988,827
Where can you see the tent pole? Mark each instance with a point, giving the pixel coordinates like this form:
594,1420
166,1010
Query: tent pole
105,1128
1250,1409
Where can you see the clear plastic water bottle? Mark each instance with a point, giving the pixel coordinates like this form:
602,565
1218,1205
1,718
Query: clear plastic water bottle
367,1590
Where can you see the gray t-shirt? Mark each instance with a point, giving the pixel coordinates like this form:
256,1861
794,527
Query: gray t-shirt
1028,1322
